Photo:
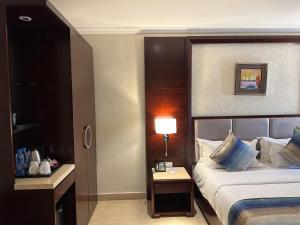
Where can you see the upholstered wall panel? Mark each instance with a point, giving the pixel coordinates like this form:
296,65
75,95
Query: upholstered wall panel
283,127
213,75
210,129
246,128
250,128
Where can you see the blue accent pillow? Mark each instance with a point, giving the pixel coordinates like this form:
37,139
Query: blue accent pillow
291,152
234,154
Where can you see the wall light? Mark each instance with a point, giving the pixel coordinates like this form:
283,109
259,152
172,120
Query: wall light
165,126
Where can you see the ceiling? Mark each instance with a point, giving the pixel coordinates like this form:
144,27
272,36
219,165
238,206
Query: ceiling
113,16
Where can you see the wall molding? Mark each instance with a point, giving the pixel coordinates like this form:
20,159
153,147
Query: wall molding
121,196
187,30
108,30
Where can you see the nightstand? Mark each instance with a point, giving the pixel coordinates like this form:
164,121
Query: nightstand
172,193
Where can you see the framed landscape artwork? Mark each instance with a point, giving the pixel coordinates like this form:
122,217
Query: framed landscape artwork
251,79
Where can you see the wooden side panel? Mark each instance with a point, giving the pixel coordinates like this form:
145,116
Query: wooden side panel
6,147
83,115
63,187
34,207
166,95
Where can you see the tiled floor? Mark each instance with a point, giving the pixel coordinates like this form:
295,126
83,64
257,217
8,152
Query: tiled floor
134,212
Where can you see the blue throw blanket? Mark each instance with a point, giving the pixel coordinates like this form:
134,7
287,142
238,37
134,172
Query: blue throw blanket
267,211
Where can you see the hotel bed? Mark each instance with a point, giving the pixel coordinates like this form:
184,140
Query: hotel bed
261,195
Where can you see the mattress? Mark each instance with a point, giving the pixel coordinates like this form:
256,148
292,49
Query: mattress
223,189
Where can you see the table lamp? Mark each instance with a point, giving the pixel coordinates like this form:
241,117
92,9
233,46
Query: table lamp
165,126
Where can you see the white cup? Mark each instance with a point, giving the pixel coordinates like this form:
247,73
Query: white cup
45,168
35,156
33,168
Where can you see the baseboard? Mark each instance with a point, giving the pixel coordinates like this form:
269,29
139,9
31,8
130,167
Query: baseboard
121,196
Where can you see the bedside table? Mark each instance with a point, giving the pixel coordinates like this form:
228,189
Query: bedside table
172,193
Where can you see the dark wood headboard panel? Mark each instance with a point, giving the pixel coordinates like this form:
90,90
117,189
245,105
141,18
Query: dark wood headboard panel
166,95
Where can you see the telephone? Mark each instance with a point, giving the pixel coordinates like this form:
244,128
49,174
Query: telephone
160,167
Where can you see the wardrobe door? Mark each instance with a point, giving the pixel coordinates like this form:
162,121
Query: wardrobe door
81,112
92,163
6,147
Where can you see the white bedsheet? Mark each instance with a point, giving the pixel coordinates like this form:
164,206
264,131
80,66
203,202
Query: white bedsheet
222,189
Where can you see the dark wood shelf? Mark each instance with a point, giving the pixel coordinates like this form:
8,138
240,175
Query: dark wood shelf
24,127
20,83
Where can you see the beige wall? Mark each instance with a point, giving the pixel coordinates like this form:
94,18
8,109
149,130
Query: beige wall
119,88
213,76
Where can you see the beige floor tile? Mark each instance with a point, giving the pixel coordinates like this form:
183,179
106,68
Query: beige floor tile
134,212
96,222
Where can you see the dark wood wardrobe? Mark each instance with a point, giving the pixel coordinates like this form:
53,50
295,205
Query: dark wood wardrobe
46,79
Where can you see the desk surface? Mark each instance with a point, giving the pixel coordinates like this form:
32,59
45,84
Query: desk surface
175,173
45,182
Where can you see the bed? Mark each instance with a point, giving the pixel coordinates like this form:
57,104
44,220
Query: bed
253,196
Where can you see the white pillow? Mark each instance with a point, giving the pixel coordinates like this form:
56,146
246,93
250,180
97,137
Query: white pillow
208,147
213,144
252,143
256,163
276,159
265,147
207,160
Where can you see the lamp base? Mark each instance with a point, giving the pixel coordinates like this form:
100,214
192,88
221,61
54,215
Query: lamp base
166,140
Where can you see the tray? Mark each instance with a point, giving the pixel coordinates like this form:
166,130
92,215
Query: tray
40,175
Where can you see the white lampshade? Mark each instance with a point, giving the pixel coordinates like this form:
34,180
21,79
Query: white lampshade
165,125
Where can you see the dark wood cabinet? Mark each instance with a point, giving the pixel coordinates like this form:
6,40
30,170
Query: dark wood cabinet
46,78
166,84
39,206
172,194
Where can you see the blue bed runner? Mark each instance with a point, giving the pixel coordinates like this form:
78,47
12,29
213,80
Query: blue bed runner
286,209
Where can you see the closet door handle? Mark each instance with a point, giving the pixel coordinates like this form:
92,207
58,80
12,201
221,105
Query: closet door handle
87,135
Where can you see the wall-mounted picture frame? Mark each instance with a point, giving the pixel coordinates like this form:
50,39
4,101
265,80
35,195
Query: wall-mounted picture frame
251,79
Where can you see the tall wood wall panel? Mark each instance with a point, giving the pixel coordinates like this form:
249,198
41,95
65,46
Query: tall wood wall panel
166,95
